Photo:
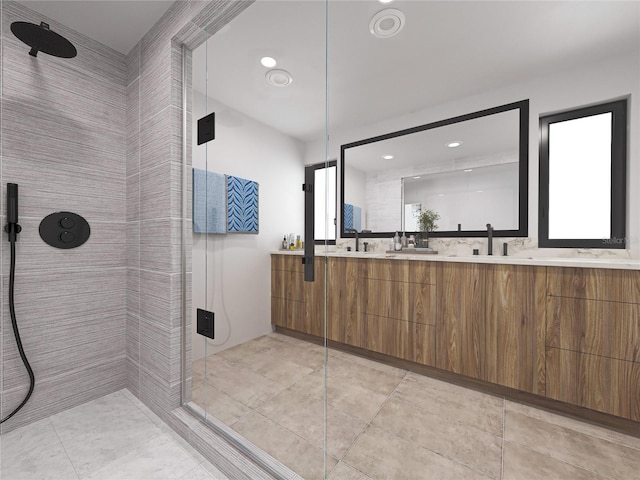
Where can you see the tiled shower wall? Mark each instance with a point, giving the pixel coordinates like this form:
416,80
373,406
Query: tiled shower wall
154,182
99,135
63,143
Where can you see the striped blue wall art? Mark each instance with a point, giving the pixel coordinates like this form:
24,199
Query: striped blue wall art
242,205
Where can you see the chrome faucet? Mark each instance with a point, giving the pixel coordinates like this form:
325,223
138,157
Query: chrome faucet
353,230
489,239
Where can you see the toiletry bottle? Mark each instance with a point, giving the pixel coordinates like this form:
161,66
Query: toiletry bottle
284,243
298,242
404,240
397,244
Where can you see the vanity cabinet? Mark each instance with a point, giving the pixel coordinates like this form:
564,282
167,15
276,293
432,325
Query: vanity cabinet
570,334
295,303
593,339
397,304
461,325
514,352
491,323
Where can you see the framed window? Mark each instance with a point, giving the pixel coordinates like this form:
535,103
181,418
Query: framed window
324,191
583,158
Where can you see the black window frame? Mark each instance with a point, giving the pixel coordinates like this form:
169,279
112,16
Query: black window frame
619,126
310,170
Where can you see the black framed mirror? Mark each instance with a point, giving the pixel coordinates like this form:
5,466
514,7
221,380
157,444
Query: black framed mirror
471,169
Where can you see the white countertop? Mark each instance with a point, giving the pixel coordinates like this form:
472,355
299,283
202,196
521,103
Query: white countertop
613,263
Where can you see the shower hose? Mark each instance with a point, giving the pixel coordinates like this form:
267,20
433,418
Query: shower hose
16,333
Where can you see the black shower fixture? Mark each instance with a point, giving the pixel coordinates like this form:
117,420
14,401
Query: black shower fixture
42,39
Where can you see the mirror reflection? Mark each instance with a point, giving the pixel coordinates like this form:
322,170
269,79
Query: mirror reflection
467,169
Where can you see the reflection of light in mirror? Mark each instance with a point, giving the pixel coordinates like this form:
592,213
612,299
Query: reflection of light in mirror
268,62
455,144
580,178
387,157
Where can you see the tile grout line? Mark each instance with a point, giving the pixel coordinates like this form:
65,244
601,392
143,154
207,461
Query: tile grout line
504,418
372,419
369,424
63,447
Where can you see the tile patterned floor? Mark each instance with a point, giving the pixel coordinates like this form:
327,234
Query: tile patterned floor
386,423
115,437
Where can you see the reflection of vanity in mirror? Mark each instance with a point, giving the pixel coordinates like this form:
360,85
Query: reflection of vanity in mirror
471,169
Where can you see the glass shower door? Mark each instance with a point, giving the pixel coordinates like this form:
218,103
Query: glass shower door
258,362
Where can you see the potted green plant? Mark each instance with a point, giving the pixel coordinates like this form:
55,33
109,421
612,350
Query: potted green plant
426,223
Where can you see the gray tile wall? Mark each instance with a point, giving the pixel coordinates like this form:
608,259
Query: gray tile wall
64,142
154,189
99,135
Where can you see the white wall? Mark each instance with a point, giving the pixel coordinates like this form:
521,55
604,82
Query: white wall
550,92
235,270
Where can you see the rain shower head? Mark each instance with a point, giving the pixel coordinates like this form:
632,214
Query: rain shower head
41,39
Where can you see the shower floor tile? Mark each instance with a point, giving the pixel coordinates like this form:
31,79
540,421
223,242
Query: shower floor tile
111,438
385,423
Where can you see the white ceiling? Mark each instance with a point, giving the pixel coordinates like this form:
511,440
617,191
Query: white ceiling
117,24
448,50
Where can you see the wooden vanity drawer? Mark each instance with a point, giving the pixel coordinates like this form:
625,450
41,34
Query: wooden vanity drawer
413,271
599,383
287,284
411,302
400,339
291,263
594,284
609,329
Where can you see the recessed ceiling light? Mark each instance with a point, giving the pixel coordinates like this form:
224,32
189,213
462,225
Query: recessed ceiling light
479,191
441,195
416,177
385,1
279,78
469,170
387,23
455,144
387,157
268,62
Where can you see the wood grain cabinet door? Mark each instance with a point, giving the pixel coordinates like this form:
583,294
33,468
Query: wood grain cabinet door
593,339
398,309
515,327
460,329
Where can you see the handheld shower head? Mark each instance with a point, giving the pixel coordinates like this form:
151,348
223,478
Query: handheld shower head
12,203
12,227
41,39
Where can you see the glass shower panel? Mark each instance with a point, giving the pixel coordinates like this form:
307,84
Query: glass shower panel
260,103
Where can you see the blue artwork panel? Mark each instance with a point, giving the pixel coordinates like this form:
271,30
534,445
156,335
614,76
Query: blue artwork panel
347,215
357,218
352,217
209,202
242,205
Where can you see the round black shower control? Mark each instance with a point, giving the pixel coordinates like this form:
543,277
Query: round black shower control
67,222
67,237
64,230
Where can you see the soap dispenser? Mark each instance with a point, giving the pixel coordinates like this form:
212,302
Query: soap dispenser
397,243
